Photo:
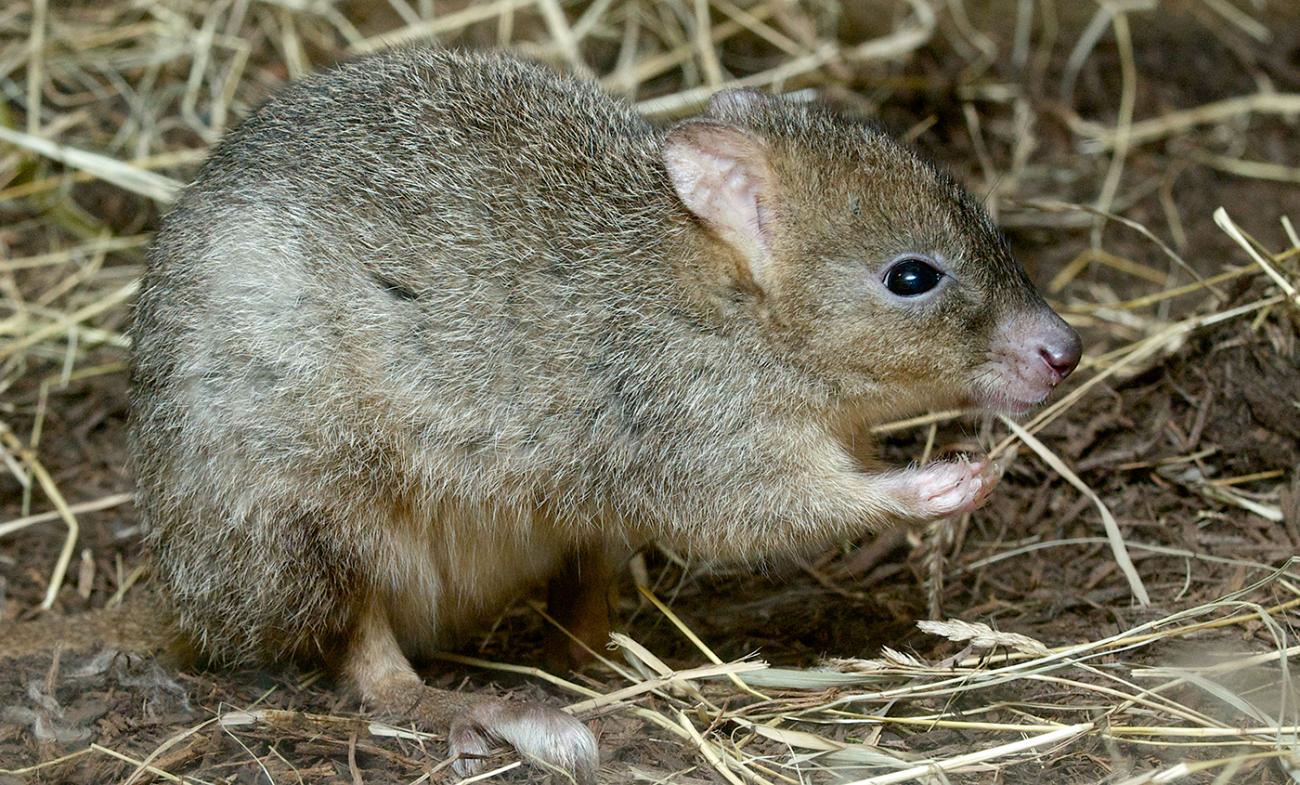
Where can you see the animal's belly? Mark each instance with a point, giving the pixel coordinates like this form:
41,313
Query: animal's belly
452,572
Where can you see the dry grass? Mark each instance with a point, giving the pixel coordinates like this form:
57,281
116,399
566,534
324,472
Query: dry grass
1054,110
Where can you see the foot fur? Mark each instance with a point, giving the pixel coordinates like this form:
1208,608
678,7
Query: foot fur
545,735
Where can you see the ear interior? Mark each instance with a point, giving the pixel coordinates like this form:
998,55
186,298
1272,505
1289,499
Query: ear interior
721,174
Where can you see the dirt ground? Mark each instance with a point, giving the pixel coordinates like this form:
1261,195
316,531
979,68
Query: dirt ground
1194,450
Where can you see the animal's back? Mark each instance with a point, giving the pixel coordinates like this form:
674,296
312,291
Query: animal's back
390,292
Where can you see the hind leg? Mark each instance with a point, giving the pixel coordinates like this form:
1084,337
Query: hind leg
578,597
376,667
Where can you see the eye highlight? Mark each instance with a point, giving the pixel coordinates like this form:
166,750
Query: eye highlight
911,277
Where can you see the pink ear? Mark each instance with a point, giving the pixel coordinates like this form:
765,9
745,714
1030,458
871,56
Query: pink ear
721,174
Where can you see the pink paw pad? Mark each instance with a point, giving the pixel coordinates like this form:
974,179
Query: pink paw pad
946,488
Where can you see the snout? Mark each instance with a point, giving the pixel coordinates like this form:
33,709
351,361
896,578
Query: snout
1031,354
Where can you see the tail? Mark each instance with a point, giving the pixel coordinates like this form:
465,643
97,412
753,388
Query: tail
140,625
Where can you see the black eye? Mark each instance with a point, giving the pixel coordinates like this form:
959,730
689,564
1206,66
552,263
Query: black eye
911,277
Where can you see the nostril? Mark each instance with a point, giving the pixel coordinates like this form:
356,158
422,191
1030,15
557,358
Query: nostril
1062,357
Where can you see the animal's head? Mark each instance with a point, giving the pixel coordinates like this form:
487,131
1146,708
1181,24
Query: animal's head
872,268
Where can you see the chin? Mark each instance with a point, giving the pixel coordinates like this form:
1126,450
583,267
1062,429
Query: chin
1014,405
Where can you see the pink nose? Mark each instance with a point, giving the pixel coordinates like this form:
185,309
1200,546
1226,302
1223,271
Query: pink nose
1061,352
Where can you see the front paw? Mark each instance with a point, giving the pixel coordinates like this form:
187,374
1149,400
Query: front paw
945,488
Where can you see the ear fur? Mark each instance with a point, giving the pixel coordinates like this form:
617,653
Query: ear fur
721,174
